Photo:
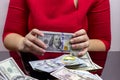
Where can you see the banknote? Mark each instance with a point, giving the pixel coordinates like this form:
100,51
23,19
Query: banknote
64,74
45,65
86,74
69,74
10,69
90,64
70,61
57,42
81,63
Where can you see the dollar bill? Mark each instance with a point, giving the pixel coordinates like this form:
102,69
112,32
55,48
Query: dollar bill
90,64
68,74
57,42
45,65
86,74
80,63
10,69
70,61
64,74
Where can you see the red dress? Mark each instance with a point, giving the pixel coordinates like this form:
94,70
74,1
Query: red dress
61,16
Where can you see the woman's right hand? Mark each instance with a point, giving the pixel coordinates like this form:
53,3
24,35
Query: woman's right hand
30,43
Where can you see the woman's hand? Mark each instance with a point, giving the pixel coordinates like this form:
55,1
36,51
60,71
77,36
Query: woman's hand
80,41
30,43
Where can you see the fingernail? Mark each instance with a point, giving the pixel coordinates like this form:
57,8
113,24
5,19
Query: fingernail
45,46
42,35
71,40
73,46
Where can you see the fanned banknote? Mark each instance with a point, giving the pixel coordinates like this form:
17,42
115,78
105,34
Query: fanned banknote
90,64
48,65
57,42
9,70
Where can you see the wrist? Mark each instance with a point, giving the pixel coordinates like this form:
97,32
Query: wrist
20,45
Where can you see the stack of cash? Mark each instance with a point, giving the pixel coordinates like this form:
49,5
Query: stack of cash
9,70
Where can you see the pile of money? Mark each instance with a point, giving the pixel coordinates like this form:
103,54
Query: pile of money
66,60
9,70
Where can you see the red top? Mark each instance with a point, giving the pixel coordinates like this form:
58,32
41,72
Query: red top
61,16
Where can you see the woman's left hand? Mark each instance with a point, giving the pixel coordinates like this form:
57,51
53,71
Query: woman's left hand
80,41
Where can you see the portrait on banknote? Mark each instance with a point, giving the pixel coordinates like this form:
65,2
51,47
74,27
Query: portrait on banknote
55,43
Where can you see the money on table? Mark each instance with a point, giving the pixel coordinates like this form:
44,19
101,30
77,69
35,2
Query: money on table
66,60
50,65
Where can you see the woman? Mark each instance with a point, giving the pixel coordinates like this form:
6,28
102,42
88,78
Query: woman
88,20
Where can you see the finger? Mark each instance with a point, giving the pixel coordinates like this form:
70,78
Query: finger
82,52
37,32
32,47
80,45
36,41
79,39
27,49
80,32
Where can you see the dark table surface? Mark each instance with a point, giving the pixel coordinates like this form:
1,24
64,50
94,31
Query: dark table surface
112,67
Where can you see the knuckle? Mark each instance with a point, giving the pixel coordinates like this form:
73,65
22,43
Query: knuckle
83,30
25,41
34,30
33,39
